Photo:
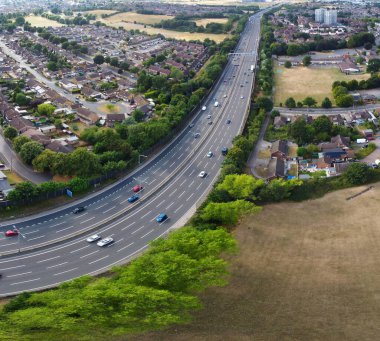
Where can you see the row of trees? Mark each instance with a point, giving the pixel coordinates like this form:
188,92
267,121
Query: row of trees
156,290
308,101
77,20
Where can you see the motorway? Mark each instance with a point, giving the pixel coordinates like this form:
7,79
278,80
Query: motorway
171,185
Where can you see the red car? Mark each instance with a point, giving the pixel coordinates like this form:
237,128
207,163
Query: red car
138,188
11,233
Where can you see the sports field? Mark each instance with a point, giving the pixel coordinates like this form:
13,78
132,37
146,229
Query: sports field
300,82
305,271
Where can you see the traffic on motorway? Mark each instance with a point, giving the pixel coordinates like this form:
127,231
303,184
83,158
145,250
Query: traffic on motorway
114,225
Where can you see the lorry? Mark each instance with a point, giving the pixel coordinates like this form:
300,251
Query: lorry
216,104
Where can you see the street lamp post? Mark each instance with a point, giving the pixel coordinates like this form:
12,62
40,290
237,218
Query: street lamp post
140,156
18,237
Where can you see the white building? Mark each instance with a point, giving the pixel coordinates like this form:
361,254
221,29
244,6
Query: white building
331,17
320,15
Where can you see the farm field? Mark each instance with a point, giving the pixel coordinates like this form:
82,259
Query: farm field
299,82
42,22
167,33
204,22
305,271
99,12
132,17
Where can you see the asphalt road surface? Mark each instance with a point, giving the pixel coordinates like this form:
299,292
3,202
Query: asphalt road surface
172,186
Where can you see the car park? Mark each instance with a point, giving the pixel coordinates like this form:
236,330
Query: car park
202,174
138,188
78,209
210,154
105,241
161,218
133,198
93,238
11,233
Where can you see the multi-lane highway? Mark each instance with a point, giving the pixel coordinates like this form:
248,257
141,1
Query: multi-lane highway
171,186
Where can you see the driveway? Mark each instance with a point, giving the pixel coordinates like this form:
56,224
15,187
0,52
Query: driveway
11,159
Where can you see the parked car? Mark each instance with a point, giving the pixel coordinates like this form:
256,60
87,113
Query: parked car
204,108
191,125
105,241
210,154
11,233
161,218
209,123
228,121
224,151
133,198
78,209
138,188
93,238
196,135
208,117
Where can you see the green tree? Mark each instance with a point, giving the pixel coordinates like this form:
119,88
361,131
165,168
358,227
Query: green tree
288,64
227,213
301,131
358,173
344,101
21,99
339,90
241,186
326,103
46,109
44,162
264,103
30,150
23,191
20,21
290,102
322,124
10,133
309,101
84,163
19,141
278,189
373,65
138,115
99,59
306,61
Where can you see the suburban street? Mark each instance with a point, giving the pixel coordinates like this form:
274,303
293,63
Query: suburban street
321,111
53,248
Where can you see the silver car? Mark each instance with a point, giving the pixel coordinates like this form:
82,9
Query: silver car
93,238
105,241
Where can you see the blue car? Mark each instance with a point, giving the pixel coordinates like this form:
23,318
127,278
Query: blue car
162,217
133,198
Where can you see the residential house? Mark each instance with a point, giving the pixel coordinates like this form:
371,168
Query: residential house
276,168
86,116
279,149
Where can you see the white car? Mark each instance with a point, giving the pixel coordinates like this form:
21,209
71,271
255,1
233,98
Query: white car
93,238
204,108
224,96
202,174
105,241
208,117
241,97
210,154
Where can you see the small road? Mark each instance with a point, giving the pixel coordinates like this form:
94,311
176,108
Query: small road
375,155
253,158
11,159
327,112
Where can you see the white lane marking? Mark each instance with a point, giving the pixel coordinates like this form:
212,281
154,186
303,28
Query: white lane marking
146,234
84,247
181,194
172,164
80,216
54,266
30,280
85,221
109,209
24,273
137,229
124,228
172,192
192,172
26,233
63,272
116,198
89,254
182,183
143,216
57,224
66,228
189,196
191,183
179,157
96,208
122,202
124,247
8,244
46,260
199,185
98,260
13,267
178,209
170,205
35,238
160,203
